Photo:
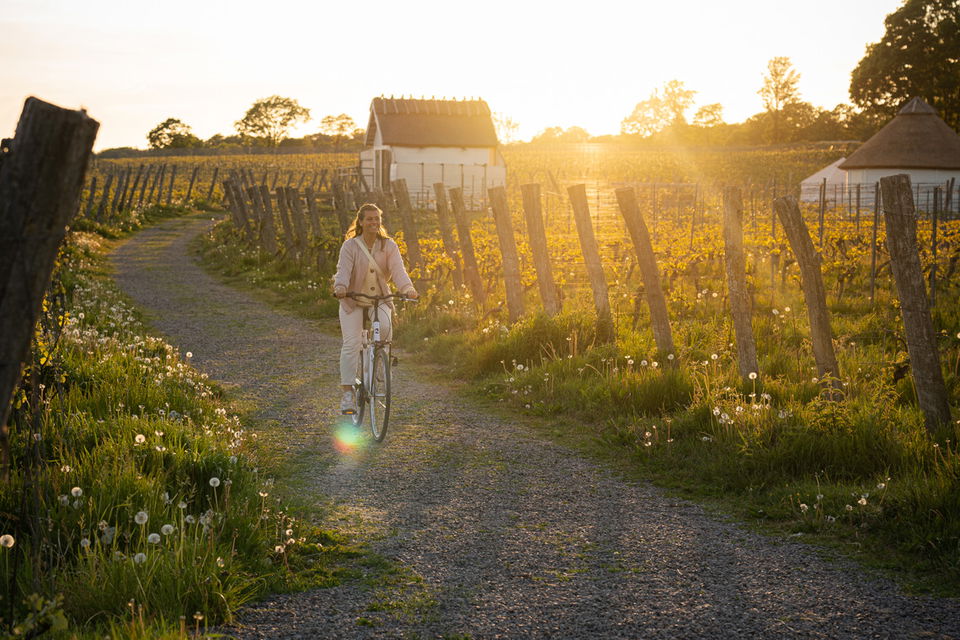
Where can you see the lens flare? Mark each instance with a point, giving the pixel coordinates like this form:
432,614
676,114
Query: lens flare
347,438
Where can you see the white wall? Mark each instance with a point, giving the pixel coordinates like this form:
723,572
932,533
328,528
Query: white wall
443,155
923,180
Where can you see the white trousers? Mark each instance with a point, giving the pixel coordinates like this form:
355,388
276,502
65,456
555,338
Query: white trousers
351,325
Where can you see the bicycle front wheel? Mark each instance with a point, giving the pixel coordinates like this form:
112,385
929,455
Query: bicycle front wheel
379,394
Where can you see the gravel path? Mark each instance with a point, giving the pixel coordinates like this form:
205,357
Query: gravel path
501,534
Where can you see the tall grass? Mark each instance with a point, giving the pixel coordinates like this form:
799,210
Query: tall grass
135,499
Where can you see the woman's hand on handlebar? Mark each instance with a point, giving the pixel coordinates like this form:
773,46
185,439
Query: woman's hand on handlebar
339,292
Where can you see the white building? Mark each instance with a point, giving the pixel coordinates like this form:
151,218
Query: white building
916,142
430,141
835,177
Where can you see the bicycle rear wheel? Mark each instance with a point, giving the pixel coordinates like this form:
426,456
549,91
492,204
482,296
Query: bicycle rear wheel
380,394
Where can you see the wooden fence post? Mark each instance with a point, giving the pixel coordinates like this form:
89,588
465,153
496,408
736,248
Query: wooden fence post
471,271
295,208
128,204
91,197
314,213
290,239
143,185
193,177
104,197
538,245
158,183
446,233
118,193
656,301
213,184
340,205
741,306
591,257
508,251
41,177
268,230
811,280
173,178
900,217
409,226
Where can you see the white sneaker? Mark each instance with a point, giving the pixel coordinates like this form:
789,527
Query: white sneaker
347,403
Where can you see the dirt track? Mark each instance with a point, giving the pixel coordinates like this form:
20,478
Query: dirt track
512,536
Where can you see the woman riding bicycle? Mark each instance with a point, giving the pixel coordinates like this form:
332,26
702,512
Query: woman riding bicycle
369,258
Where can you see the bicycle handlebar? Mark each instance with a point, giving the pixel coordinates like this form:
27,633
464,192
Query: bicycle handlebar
398,296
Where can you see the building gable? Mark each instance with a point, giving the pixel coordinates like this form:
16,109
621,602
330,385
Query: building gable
431,123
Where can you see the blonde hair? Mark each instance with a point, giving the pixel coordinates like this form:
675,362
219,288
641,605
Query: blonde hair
355,229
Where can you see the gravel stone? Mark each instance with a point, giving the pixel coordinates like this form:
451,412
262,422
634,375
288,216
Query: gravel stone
512,535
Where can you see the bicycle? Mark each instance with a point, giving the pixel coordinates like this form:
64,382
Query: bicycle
372,384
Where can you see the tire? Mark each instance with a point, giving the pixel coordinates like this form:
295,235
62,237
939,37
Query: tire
379,397
360,393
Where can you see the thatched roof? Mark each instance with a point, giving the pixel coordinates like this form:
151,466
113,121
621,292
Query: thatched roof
916,139
431,123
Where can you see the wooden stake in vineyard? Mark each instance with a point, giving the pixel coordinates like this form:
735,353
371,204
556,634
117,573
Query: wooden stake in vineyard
508,251
409,227
811,280
41,177
591,257
656,301
901,220
741,306
538,244
446,233
471,271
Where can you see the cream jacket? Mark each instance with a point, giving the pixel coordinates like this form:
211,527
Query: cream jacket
353,266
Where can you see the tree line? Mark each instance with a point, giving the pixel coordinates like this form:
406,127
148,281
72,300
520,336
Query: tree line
265,124
919,55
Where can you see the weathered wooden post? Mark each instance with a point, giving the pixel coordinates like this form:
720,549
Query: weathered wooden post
104,197
213,184
314,212
193,178
471,271
591,258
158,183
290,240
811,280
133,190
41,177
933,246
268,230
741,306
91,197
233,192
446,233
538,245
508,251
873,240
173,178
143,185
340,205
900,217
656,301
295,207
409,226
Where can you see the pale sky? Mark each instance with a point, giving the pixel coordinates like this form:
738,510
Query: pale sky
134,64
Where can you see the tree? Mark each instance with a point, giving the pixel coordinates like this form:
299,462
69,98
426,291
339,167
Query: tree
559,134
709,115
172,134
506,128
664,107
269,119
779,89
919,55
338,127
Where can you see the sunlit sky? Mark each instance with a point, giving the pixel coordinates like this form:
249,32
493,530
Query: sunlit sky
134,64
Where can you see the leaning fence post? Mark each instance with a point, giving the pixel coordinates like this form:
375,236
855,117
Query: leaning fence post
538,245
656,301
901,220
508,251
41,177
409,226
591,258
446,233
173,177
739,294
811,280
471,271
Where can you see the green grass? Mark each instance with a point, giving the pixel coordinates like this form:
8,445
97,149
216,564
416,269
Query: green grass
141,503
859,473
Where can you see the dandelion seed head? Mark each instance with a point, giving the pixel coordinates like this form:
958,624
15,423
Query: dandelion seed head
166,529
141,517
214,482
7,541
76,492
140,558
